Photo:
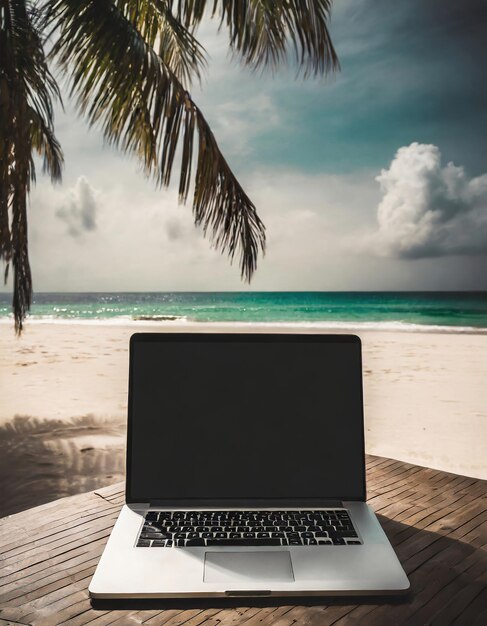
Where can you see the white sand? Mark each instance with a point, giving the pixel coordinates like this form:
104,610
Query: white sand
425,393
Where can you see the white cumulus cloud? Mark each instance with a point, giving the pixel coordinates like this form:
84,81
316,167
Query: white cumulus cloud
78,210
428,209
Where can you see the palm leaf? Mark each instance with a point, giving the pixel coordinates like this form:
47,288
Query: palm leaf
129,89
26,125
262,31
44,142
176,45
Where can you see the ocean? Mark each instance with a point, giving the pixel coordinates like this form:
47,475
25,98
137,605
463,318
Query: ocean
456,311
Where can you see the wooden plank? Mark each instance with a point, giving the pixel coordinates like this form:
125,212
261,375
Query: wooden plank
53,582
58,562
470,613
53,540
47,522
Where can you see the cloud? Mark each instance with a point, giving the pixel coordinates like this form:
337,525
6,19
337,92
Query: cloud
145,241
427,209
175,229
237,122
79,208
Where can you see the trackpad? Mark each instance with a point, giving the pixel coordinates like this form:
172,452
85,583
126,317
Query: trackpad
246,567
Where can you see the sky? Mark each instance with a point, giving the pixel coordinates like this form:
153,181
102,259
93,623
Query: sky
374,179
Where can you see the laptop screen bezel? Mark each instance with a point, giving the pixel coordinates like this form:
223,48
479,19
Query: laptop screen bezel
172,336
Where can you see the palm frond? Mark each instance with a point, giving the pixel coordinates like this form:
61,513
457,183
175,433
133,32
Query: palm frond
46,145
26,124
22,296
125,86
177,46
191,12
262,31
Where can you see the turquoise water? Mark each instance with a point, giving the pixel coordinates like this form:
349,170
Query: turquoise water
382,309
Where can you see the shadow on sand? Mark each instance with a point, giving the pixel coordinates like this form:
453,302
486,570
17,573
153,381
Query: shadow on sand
43,460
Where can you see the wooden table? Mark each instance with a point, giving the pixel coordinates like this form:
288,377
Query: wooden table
436,521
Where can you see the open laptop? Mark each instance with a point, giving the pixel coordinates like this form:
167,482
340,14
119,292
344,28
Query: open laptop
246,472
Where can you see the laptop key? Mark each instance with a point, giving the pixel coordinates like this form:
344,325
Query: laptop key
195,543
144,535
243,542
159,536
143,543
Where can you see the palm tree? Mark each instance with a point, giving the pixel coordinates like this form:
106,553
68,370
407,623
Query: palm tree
26,126
129,65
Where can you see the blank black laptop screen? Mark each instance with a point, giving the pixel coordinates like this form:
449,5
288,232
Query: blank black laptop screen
244,418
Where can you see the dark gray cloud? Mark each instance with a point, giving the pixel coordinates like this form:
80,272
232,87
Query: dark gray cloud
429,209
79,209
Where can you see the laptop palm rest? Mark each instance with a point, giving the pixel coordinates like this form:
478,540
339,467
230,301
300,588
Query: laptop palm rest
248,567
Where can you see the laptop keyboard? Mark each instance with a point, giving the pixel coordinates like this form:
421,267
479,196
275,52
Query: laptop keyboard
178,529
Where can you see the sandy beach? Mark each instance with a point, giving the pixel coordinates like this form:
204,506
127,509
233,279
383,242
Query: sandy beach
63,389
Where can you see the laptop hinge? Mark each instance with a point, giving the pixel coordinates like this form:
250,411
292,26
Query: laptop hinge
332,504
138,506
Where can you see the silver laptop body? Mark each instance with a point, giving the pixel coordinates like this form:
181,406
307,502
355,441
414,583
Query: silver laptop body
246,472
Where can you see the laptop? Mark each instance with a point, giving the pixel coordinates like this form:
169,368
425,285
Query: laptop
246,472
